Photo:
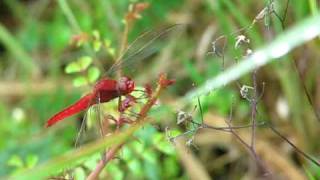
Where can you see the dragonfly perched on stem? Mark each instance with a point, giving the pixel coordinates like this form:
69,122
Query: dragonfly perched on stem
107,88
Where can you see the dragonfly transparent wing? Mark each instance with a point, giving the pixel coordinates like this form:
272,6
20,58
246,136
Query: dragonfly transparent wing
143,47
91,125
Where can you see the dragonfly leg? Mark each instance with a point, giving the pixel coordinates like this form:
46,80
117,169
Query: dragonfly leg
128,102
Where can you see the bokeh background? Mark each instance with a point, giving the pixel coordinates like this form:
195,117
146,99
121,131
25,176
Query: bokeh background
36,48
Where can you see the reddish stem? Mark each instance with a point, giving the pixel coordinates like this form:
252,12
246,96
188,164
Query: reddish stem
102,163
162,83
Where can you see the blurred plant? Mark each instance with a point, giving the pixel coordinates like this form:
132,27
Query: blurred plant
19,164
250,93
42,30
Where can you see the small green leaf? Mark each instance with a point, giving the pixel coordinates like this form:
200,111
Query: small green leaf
31,160
85,61
79,173
71,68
173,133
97,45
135,166
80,81
81,64
112,51
93,74
91,162
117,173
170,166
15,161
150,156
107,43
96,34
162,144
126,153
138,147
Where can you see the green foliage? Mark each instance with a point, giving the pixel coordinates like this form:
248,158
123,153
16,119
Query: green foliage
19,164
313,171
80,65
142,157
36,45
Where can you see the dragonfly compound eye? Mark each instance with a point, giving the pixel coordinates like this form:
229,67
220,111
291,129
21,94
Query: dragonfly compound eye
126,85
130,85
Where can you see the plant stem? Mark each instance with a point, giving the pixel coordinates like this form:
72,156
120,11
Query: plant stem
141,118
70,17
17,51
75,25
103,162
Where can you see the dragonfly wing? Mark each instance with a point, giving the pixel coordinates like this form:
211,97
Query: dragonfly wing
93,124
143,47
86,131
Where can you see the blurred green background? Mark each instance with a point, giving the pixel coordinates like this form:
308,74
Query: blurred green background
36,49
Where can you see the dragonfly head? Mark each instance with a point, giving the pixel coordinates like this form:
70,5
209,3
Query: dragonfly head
126,85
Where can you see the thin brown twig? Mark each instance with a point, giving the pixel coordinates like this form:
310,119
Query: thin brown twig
250,148
294,146
305,89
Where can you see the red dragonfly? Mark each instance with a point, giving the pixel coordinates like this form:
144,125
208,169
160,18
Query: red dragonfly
108,89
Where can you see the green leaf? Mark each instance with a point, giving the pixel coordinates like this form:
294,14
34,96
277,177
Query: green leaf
71,68
126,153
107,43
85,61
170,166
173,133
112,51
150,156
91,162
152,170
96,34
15,161
135,166
93,74
80,81
97,45
31,160
162,144
138,146
79,173
117,173
80,65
